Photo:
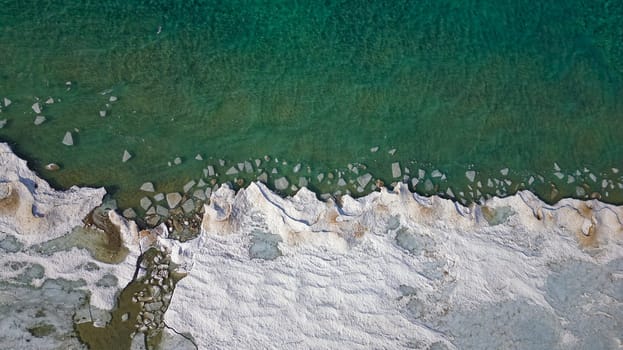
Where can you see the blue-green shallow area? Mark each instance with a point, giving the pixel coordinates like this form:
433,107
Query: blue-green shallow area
452,85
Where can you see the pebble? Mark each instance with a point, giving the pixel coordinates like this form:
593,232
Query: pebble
147,187
126,156
189,185
396,170
281,183
68,140
39,120
36,107
173,199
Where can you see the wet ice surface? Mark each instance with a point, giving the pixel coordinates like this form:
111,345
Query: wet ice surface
395,270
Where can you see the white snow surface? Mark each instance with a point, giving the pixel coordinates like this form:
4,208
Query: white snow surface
396,270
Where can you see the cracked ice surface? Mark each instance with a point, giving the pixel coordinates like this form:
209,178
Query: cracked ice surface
396,270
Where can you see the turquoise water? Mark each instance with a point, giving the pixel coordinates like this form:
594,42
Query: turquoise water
451,85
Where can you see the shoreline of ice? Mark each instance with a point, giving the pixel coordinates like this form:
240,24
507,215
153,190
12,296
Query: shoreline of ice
387,270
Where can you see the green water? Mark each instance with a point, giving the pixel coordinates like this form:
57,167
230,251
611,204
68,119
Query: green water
451,85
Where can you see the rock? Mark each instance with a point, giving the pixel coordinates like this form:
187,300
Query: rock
396,170
189,185
39,120
52,167
173,199
36,107
281,183
188,206
159,197
129,213
162,211
7,102
145,203
2,123
113,99
198,157
470,175
177,161
68,140
102,113
126,156
231,171
147,187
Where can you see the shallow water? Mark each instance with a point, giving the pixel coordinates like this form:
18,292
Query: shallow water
450,85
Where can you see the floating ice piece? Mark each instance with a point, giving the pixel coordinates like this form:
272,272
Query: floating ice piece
303,182
320,177
36,107
126,156
530,180
177,161
281,183
112,99
210,170
436,173
129,213
162,211
593,177
396,170
559,175
221,162
604,183
450,193
615,170
173,199
374,149
556,167
364,179
428,185
490,183
274,171
147,187
392,151
151,211
188,206
240,166
504,171
7,102
470,175
297,168
341,182
258,162
421,173
248,167
102,113
39,120
570,179
190,184
49,101
414,182
263,177
145,203
231,171
68,140
159,197
199,194
198,157
200,183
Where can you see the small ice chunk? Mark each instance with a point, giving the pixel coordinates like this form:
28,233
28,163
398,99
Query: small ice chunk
190,184
297,168
303,182
374,149
126,156
570,179
450,193
556,167
162,211
421,173
490,183
36,107
593,177
2,123
221,162
392,151
173,199
7,102
364,179
208,192
159,197
428,185
198,157
188,206
504,171
177,161
341,182
414,182
39,120
129,213
113,99
248,167
281,183
147,187
436,173
200,183
263,177
479,184
68,140
151,211
274,171
240,166
320,177
530,180
396,170
559,175
231,171
615,170
604,183
145,203
470,175
210,170
49,101
258,162
199,194
102,113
